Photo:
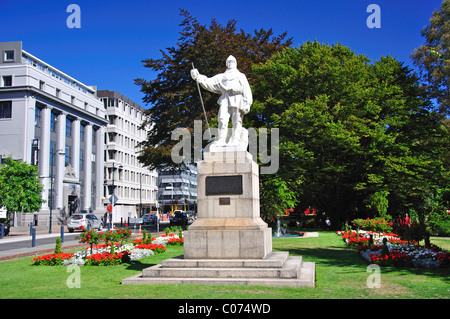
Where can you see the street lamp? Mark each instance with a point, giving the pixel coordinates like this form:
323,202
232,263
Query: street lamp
140,192
60,152
113,190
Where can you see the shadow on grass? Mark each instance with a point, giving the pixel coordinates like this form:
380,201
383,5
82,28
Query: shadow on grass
137,265
334,256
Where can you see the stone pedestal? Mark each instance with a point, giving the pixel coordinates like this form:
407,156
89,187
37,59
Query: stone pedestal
229,243
229,223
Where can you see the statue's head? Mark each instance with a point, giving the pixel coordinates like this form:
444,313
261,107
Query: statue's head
231,62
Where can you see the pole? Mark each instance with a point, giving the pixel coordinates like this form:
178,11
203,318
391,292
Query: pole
140,194
33,237
62,234
203,106
51,193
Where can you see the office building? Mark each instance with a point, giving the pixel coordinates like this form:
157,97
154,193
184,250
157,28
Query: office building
49,119
133,185
178,189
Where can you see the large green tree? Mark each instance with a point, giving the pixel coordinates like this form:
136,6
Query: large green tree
20,190
356,136
172,97
433,58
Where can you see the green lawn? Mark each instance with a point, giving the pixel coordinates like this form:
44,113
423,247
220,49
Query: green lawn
340,273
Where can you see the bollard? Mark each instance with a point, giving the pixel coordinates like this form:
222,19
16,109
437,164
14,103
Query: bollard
62,233
109,226
31,228
33,237
2,233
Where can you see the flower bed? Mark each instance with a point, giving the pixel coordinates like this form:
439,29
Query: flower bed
387,249
51,259
110,253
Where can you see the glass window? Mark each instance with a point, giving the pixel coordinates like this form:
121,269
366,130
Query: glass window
67,157
53,122
52,147
7,80
81,159
9,55
37,117
81,132
5,109
68,127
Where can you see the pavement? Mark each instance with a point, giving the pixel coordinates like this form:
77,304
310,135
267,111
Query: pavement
18,245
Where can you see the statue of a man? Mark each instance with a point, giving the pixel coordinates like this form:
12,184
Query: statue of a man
235,101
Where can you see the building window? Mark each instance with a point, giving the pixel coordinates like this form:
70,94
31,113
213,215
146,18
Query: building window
72,99
52,147
5,109
37,117
58,93
67,156
53,122
7,80
68,127
41,85
81,160
9,55
81,132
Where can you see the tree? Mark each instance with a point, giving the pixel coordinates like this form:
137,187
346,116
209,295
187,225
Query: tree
433,58
357,137
20,190
173,97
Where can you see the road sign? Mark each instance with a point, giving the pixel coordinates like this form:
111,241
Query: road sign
113,199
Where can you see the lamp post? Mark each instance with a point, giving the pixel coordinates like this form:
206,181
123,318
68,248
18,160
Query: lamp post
140,192
60,152
113,188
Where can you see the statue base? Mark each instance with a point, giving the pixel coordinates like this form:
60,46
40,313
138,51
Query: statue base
229,243
229,223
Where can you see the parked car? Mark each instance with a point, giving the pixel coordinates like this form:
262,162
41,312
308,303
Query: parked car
149,219
81,221
179,218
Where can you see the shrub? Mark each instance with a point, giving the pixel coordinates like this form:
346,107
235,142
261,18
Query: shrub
58,246
376,224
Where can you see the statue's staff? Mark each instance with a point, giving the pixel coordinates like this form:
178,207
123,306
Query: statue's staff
203,106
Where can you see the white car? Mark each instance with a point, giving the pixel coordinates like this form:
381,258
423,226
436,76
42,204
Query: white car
83,221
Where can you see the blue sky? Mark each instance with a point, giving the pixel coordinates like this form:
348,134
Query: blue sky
116,35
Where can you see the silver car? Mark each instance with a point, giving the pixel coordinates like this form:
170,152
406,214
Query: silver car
82,221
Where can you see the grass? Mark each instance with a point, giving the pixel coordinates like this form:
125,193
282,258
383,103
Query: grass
340,273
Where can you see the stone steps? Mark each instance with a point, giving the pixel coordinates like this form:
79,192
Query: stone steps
278,269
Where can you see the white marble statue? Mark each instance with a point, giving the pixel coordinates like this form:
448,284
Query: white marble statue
235,101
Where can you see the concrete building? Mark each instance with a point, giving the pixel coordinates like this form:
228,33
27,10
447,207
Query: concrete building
178,189
54,121
134,185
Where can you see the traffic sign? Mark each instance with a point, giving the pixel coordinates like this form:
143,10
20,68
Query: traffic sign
113,199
